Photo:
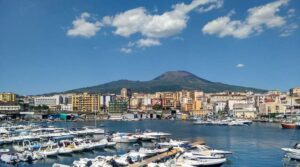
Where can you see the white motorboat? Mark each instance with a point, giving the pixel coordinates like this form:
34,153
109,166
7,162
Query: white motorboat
100,144
96,162
9,158
157,135
201,162
173,143
201,148
50,149
144,137
78,146
236,123
123,138
130,157
111,144
295,156
147,152
23,145
26,156
60,165
4,150
294,150
65,147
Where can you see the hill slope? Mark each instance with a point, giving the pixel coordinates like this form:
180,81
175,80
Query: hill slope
169,81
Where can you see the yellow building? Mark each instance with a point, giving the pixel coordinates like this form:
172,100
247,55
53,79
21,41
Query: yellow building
7,97
271,107
86,102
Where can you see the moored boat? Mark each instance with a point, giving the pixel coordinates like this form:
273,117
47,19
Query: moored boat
288,125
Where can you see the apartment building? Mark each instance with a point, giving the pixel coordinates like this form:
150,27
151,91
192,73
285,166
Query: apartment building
7,97
86,102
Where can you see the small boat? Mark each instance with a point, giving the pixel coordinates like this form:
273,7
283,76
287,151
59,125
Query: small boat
65,147
295,149
156,135
78,146
173,143
4,150
288,125
201,148
202,162
9,158
100,144
50,149
123,138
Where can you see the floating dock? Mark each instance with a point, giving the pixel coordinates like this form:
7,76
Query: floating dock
164,155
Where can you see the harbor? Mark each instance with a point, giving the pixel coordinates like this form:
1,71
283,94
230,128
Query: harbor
261,142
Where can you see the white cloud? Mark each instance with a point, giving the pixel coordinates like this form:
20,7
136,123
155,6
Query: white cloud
240,65
289,29
258,19
82,27
139,20
216,5
126,50
148,42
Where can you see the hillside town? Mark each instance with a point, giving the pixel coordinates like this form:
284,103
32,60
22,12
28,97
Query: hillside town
181,104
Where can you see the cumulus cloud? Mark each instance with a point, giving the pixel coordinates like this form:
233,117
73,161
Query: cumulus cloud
240,66
258,19
148,42
126,50
84,28
139,20
216,5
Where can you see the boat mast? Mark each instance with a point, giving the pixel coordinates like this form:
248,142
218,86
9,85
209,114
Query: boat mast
95,119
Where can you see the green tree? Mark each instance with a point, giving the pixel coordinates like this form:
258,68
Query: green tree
156,107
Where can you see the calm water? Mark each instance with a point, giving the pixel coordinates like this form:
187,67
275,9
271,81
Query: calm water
256,145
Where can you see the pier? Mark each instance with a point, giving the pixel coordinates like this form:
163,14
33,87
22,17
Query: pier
164,155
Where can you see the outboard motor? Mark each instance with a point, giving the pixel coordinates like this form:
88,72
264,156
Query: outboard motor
89,163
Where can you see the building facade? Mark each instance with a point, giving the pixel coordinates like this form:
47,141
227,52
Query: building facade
86,102
7,97
118,106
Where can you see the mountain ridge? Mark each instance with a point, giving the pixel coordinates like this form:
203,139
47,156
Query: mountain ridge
168,81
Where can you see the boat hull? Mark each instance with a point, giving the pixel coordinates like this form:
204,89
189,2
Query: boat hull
288,126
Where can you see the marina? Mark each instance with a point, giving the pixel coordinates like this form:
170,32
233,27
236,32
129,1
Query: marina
259,141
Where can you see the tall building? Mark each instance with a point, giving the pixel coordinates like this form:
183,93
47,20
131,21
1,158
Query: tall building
7,97
118,106
86,102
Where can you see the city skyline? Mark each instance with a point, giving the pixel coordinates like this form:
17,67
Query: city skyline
49,46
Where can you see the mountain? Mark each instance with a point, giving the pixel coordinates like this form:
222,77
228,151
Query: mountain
169,81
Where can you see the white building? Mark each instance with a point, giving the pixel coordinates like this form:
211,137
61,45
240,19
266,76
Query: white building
48,100
105,99
233,102
9,107
66,107
244,110
219,106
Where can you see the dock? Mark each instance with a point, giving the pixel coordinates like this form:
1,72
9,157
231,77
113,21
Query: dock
161,156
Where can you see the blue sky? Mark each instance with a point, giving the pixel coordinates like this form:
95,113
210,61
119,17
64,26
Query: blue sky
55,45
